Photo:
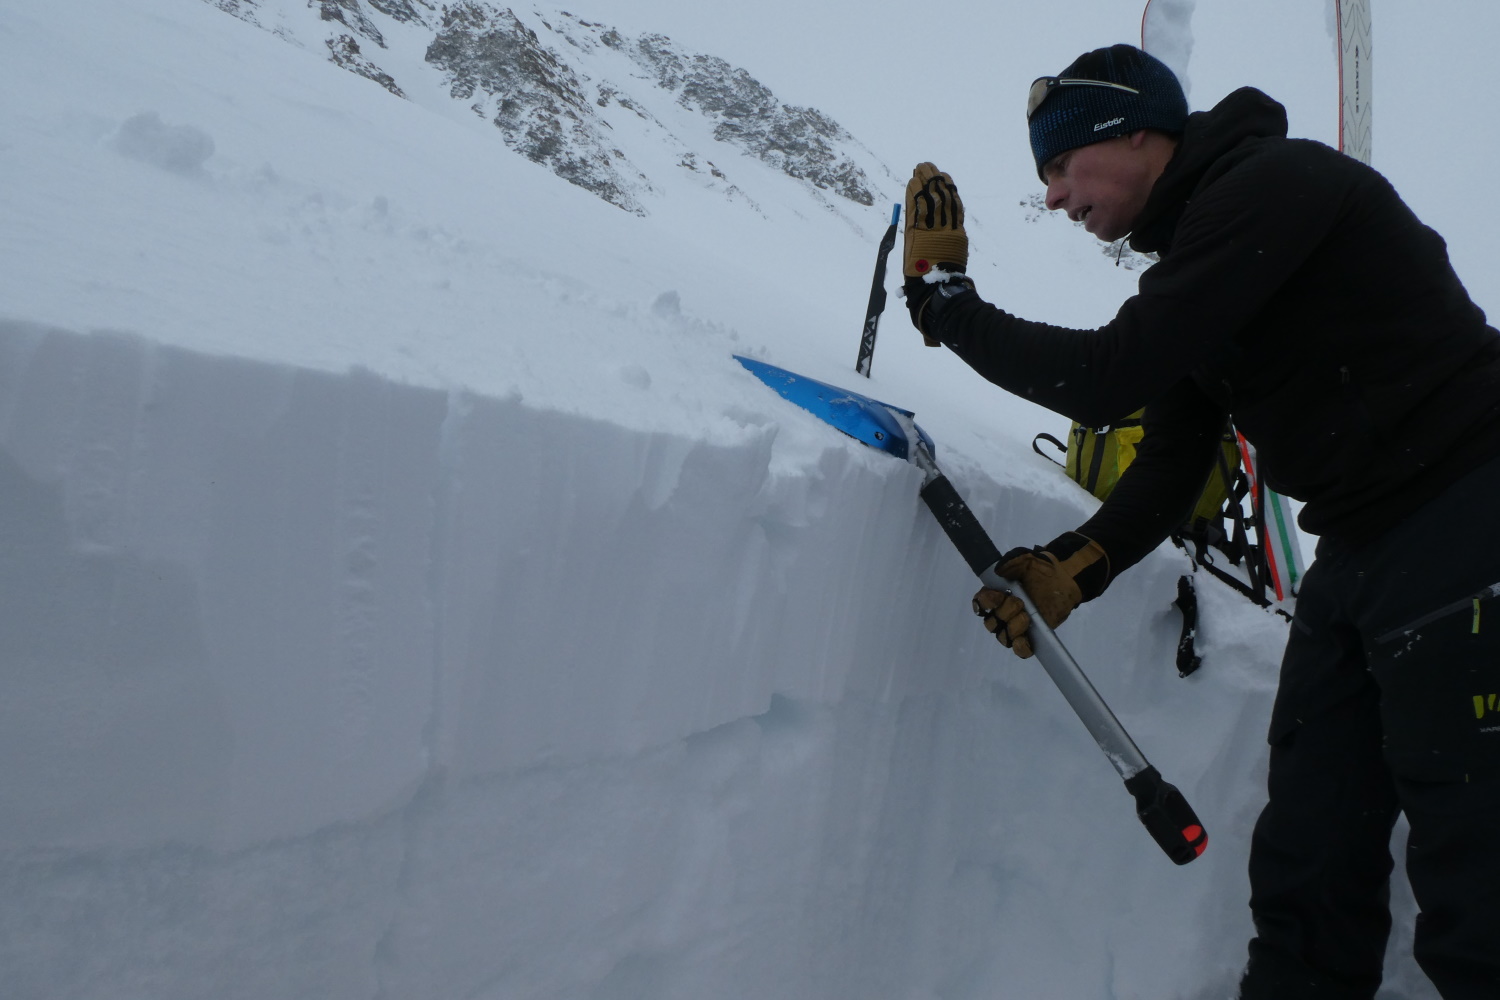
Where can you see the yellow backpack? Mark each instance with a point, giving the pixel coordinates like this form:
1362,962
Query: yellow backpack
1096,457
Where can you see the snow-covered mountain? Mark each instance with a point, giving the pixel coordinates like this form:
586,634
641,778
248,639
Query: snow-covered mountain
404,593
577,95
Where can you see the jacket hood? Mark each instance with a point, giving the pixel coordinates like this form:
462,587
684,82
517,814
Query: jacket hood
1244,115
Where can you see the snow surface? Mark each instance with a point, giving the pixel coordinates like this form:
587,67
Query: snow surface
406,595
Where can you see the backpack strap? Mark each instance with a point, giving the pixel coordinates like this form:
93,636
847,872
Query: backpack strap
1202,559
1053,441
1097,463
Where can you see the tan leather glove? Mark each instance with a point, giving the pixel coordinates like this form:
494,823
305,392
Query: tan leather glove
1058,577
935,236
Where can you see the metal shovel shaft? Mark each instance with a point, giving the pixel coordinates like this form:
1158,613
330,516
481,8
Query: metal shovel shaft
1074,684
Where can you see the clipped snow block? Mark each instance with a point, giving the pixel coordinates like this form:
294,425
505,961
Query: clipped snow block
860,417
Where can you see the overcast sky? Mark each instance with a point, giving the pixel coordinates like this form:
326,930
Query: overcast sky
947,82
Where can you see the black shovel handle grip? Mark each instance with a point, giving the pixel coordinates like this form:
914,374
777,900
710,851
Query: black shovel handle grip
1167,816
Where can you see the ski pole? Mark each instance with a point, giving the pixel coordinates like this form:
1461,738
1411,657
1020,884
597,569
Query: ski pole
877,298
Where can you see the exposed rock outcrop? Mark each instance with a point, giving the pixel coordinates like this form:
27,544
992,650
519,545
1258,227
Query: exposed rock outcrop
555,85
499,65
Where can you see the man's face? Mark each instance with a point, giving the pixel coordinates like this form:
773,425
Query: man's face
1103,185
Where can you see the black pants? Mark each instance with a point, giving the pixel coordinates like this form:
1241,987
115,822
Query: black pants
1389,702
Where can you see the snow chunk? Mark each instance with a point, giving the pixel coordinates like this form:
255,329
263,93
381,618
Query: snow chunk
177,149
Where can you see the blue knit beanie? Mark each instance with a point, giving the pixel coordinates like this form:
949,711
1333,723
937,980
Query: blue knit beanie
1076,116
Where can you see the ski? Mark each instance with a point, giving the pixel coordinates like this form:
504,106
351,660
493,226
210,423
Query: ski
1162,809
1166,33
1355,93
877,299
1274,524
1273,511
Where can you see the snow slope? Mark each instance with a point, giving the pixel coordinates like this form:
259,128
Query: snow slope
407,595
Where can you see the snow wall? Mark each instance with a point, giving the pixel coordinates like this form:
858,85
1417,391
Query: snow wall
323,685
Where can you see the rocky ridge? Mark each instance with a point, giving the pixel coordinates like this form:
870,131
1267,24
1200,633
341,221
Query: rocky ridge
566,92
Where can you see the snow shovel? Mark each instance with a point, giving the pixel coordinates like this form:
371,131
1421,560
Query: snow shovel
1161,807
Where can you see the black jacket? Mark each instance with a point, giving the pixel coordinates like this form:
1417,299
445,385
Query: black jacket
1295,292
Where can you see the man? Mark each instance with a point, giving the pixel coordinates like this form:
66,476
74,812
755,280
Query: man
1297,294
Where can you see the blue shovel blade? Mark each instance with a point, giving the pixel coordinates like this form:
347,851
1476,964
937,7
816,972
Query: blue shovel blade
860,417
